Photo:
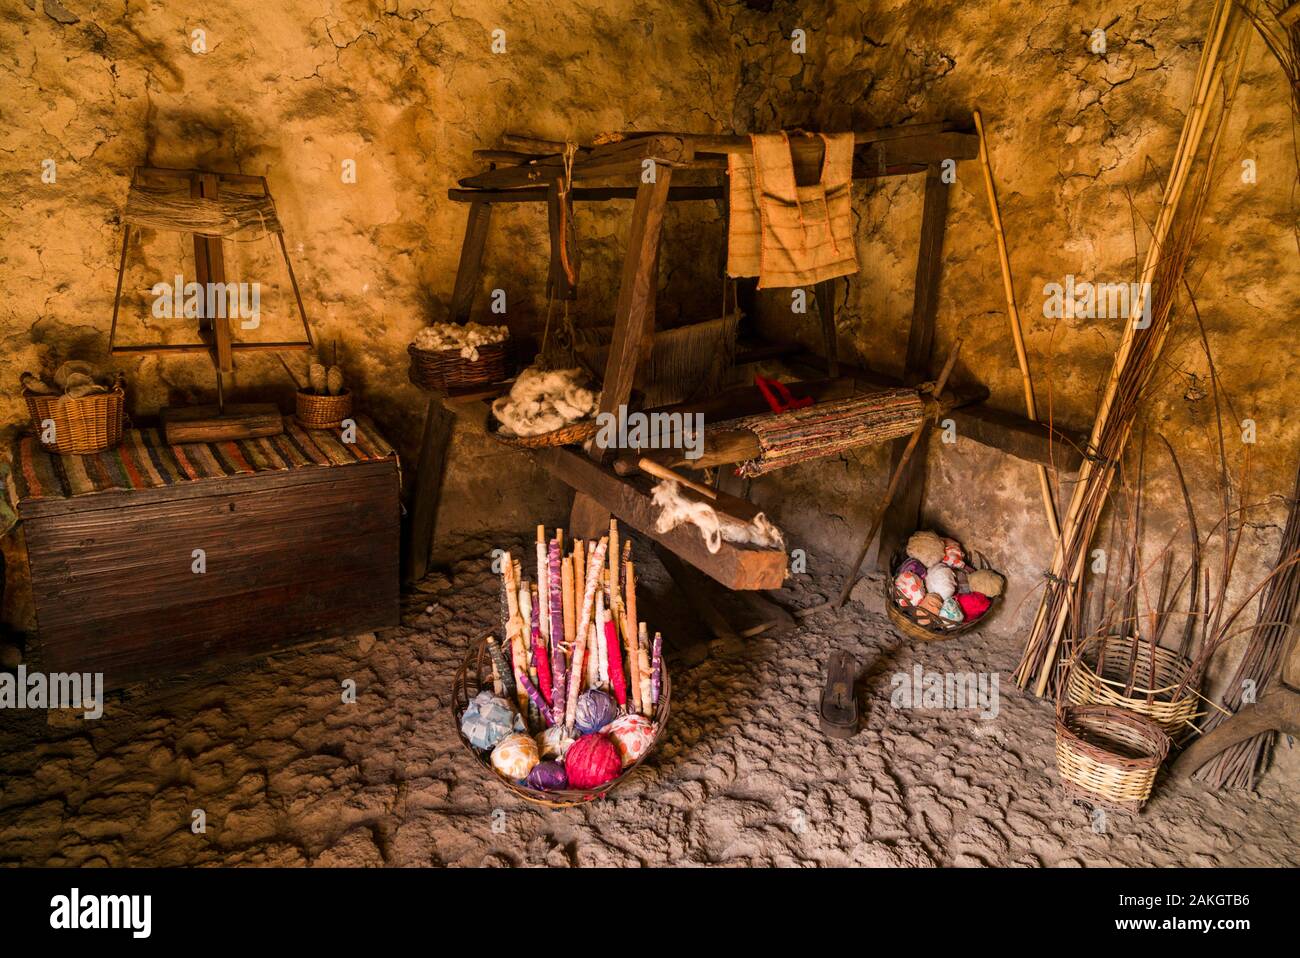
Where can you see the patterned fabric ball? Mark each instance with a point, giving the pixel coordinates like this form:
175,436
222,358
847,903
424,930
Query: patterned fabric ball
548,777
554,742
941,581
633,735
515,756
596,709
910,586
489,719
914,566
592,760
986,581
932,603
953,554
926,548
974,604
951,611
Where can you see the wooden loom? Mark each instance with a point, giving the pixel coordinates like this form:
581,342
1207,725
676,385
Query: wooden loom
157,201
533,171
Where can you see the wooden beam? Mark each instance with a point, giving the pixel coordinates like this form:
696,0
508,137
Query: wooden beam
471,261
626,158
904,514
633,320
734,566
585,194
913,153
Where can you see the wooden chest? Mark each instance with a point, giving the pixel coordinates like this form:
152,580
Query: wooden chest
144,583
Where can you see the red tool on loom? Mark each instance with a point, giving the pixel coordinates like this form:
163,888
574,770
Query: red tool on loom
778,396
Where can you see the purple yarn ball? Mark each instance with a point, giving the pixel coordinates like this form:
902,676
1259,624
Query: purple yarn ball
596,709
548,777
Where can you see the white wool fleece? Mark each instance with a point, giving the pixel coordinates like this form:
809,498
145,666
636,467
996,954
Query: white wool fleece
543,401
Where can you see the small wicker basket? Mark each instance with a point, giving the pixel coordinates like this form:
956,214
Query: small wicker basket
323,412
1109,756
475,674
447,369
1098,675
84,425
917,623
570,435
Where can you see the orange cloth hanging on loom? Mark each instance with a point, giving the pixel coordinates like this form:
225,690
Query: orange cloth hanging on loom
785,234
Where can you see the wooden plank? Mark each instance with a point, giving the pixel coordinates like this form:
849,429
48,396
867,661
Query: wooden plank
585,194
733,566
435,447
283,479
633,321
471,261
904,514
182,424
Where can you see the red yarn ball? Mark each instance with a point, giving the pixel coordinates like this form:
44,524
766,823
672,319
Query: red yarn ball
973,604
592,760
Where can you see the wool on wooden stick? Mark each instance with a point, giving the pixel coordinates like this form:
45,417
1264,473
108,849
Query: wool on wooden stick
583,627
656,668
557,632
643,663
615,656
629,635
602,659
543,582
541,662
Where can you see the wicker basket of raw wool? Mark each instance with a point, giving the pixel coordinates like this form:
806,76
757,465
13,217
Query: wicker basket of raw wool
82,425
916,623
1109,756
447,369
475,674
323,412
1099,675
570,435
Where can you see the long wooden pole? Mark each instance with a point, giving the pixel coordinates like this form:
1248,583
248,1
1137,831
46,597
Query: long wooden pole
894,480
1013,317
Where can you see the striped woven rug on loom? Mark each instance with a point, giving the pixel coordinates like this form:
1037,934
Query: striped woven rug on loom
828,428
144,460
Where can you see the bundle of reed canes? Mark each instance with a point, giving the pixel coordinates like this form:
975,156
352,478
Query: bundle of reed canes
1173,235
1240,765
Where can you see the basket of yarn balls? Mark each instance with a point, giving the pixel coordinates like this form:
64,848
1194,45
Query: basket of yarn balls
446,356
936,590
553,766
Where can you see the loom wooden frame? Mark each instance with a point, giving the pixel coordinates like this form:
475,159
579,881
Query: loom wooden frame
531,170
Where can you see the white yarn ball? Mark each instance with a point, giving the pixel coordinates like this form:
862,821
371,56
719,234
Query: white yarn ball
941,580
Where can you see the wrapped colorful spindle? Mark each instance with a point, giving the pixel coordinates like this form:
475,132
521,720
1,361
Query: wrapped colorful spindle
656,668
556,583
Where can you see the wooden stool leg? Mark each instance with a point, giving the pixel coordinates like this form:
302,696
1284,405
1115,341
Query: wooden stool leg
427,489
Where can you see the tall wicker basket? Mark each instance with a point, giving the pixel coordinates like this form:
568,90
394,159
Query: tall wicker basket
84,425
475,674
1109,756
1099,675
